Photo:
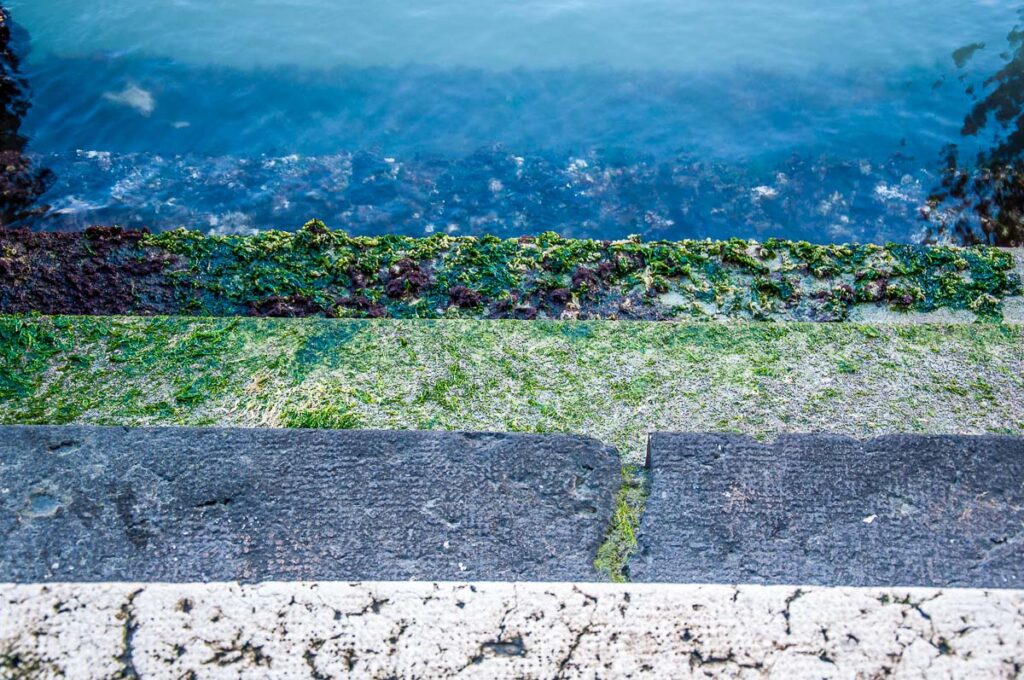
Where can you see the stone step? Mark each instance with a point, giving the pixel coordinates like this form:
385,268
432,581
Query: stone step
898,510
198,504
614,381
193,504
321,272
86,631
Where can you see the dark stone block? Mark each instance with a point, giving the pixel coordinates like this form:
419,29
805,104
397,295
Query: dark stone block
182,504
827,510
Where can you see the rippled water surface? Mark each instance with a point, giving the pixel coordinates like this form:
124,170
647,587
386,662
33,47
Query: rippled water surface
816,119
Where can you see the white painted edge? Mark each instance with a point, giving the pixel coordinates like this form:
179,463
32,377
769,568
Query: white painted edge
505,630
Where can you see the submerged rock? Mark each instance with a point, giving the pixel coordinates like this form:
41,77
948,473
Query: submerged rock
21,184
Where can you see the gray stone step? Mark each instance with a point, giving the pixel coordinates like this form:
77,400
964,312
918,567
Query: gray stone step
899,510
182,504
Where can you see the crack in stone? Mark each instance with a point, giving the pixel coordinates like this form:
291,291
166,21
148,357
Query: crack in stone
583,632
374,606
238,653
798,593
309,656
129,627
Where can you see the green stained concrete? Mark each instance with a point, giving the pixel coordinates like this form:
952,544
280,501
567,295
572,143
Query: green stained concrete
615,381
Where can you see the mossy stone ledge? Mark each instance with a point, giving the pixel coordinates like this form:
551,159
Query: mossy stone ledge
321,272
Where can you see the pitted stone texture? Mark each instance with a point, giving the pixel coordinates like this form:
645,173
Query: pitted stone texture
870,313
178,504
504,630
1013,307
898,510
1018,261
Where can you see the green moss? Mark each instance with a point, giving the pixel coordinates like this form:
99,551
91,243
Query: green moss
634,391
330,416
615,381
25,347
845,365
343,275
620,541
24,664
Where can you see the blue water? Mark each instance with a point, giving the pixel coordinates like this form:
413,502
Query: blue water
818,119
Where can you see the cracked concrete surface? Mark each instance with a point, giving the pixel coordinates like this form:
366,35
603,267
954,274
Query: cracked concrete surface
505,630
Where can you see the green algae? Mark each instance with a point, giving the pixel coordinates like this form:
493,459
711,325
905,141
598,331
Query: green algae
334,274
25,347
620,542
615,381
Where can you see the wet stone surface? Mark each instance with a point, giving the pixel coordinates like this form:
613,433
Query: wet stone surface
182,504
935,511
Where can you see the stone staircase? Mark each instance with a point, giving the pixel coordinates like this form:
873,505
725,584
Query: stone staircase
220,552
216,496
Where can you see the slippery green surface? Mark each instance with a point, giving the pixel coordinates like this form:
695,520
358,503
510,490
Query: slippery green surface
316,270
615,381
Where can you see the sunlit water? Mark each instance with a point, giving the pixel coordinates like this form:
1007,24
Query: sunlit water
817,119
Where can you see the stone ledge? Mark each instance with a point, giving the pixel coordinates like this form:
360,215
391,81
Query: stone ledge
504,630
614,381
319,272
940,511
199,504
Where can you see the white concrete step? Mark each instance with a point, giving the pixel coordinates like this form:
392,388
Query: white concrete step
505,630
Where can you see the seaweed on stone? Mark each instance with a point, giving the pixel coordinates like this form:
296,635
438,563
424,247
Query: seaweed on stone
321,272
620,542
613,381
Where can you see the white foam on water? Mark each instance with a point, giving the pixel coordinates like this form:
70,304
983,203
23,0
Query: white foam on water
133,97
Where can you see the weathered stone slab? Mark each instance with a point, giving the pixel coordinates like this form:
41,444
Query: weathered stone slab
810,509
182,504
505,630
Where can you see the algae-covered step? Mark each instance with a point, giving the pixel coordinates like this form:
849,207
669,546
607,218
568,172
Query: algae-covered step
184,505
317,271
614,381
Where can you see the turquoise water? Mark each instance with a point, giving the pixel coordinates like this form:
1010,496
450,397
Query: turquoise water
822,120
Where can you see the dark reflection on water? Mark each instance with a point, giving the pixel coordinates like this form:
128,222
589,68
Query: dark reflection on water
983,201
21,184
